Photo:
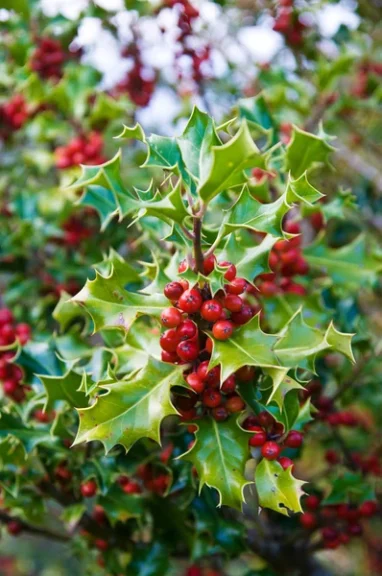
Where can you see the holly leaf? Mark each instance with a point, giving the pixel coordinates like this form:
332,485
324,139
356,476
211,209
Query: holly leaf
277,488
67,311
119,506
133,408
135,132
306,151
351,266
111,306
63,388
102,200
196,144
122,271
250,260
249,213
228,164
141,342
350,487
282,383
29,437
219,456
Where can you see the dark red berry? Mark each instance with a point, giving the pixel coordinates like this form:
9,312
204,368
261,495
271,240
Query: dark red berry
229,384
312,502
285,462
171,317
131,487
266,420
235,404
222,329
209,264
102,545
308,521
246,373
187,350
294,439
271,450
212,398
244,316
220,413
211,310
14,527
368,508
329,533
190,301
173,290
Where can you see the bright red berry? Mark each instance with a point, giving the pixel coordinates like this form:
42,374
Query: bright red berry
88,489
171,317
368,508
237,286
187,350
190,301
258,439
308,521
169,340
211,310
173,290
101,544
231,272
285,462
131,487
195,382
170,357
209,264
229,385
233,303
187,330
270,450
222,329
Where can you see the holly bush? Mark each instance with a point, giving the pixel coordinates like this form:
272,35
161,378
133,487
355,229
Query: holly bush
189,321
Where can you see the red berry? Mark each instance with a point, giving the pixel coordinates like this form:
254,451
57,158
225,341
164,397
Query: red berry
294,439
308,521
312,502
237,286
332,457
271,450
88,489
182,266
368,508
187,330
102,545
211,310
233,303
210,377
329,533
194,381
6,316
9,387
187,350
131,487
285,462
231,272
14,527
209,264
170,357
222,329
173,290
171,317
242,317
235,404
212,398
209,346
246,373
266,420
190,301
268,289
169,340
258,439
229,385
344,538
220,413
99,514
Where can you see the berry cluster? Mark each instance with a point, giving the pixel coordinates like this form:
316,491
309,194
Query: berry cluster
269,436
195,570
287,23
11,375
285,260
48,58
84,149
193,312
336,523
140,81
13,114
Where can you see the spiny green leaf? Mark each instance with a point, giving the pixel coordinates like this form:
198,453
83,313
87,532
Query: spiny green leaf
229,162
29,437
123,272
196,144
250,260
133,408
141,342
277,488
306,151
102,200
281,385
111,306
219,456
63,388
136,132
119,506
66,311
351,266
